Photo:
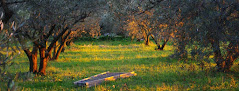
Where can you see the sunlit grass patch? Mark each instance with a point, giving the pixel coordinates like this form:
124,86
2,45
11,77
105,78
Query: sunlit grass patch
155,70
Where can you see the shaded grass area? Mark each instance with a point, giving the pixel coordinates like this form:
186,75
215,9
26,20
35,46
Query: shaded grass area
155,70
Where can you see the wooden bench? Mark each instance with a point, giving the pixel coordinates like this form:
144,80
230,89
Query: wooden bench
99,78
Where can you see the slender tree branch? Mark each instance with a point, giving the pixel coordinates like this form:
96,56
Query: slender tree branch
56,38
27,51
50,32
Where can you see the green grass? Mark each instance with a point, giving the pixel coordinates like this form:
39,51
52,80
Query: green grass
155,70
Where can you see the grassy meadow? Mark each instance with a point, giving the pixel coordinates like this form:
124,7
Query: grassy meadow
155,69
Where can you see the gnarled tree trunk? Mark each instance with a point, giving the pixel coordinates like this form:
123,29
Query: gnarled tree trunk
146,41
43,61
60,49
54,51
56,56
163,45
32,57
217,54
224,64
232,54
158,44
45,52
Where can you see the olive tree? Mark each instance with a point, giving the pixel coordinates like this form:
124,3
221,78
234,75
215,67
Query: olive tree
214,24
142,25
208,24
50,21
